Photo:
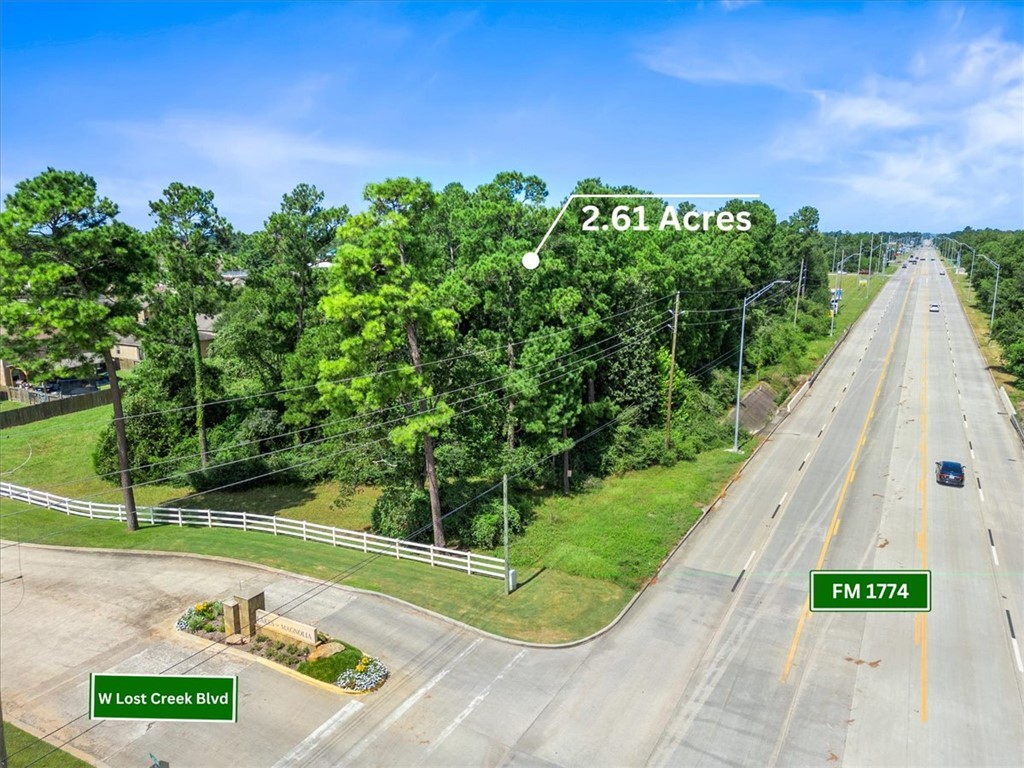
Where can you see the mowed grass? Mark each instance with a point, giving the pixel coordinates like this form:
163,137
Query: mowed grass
552,606
622,531
991,351
24,749
578,563
784,377
55,455
10,405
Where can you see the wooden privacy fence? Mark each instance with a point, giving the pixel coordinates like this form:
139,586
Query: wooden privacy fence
442,557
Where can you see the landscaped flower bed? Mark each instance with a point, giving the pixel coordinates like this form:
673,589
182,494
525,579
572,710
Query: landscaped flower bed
349,669
368,675
204,619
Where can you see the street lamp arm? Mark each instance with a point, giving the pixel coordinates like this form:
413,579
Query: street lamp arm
739,373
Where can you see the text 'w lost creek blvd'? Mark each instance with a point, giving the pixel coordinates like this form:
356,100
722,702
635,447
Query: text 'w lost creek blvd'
650,395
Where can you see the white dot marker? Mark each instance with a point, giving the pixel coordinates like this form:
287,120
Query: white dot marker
531,260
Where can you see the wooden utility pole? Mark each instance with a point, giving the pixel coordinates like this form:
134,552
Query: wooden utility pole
672,373
799,288
131,518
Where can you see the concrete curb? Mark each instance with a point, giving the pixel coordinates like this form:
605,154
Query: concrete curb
455,622
71,750
230,649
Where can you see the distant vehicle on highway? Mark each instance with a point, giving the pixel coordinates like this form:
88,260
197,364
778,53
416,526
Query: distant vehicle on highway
949,473
941,272
933,307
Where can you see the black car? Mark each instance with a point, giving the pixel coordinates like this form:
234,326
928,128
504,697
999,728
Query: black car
949,473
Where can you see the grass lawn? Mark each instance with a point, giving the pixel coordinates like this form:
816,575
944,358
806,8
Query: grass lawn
551,606
56,455
991,351
623,530
784,378
10,405
23,749
578,563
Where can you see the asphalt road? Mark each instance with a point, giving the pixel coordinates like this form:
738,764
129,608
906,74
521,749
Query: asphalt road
719,663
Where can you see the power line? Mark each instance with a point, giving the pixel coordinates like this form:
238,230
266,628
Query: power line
577,365
376,374
502,386
325,584
309,594
442,360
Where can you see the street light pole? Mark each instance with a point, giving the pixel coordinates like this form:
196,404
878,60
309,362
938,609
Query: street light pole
995,294
739,371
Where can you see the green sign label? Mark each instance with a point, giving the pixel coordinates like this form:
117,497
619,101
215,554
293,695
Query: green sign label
156,697
904,591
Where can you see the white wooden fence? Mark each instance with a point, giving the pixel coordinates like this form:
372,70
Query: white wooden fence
468,562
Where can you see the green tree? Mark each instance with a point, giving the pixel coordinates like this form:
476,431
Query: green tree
282,292
382,294
70,280
188,240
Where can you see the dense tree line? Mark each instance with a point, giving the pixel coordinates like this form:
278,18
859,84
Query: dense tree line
425,358
1007,250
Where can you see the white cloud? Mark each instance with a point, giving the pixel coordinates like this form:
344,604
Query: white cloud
248,164
737,5
946,138
242,146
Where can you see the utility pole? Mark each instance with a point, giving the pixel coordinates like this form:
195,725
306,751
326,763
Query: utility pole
799,288
867,286
739,371
504,507
672,372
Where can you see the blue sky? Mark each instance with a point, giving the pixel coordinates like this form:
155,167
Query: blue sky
882,115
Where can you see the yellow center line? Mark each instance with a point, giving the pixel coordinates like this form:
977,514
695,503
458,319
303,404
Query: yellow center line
922,539
832,526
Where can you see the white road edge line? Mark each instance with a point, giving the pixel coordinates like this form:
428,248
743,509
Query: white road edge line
981,494
473,704
305,747
407,705
994,555
749,559
1016,652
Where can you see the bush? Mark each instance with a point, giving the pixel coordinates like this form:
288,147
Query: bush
487,529
399,511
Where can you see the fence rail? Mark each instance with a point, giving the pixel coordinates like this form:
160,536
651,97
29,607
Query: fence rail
441,557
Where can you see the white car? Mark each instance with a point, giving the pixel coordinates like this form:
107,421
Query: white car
933,307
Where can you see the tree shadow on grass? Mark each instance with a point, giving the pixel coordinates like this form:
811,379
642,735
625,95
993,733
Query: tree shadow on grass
272,500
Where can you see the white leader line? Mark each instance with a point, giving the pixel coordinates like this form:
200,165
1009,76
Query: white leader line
647,196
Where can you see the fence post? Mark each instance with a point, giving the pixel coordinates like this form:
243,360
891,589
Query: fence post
469,563
334,536
245,521
90,510
365,548
431,555
303,530
275,525
398,554
179,517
